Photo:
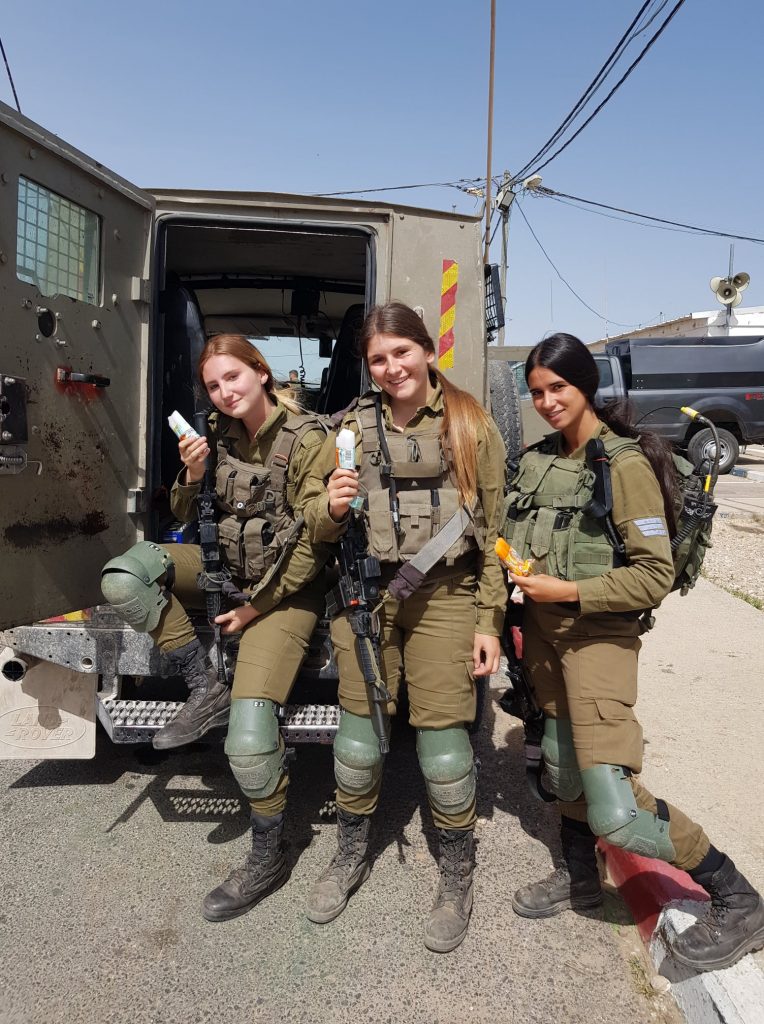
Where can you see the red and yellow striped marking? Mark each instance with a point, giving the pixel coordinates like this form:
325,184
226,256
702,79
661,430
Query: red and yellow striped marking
448,286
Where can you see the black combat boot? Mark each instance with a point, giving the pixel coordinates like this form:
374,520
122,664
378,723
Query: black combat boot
450,915
575,885
265,870
208,704
732,926
348,870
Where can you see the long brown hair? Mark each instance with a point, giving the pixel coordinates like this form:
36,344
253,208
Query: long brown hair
241,348
462,413
572,360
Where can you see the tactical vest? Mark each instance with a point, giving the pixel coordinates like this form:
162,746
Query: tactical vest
257,525
411,496
546,512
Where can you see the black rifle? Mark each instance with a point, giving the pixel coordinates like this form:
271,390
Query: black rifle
520,700
214,573
357,591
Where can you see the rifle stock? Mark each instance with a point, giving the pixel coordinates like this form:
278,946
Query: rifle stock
520,701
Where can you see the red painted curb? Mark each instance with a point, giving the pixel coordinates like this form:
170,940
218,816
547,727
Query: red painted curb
647,885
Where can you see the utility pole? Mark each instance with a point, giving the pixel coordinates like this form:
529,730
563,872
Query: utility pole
489,147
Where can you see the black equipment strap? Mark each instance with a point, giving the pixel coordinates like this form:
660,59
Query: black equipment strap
601,505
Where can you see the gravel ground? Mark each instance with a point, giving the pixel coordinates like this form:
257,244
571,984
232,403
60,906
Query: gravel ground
736,560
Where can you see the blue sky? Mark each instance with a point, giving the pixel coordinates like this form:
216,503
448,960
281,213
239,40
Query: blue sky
307,97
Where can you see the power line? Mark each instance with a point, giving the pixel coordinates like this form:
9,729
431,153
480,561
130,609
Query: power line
653,39
570,288
461,184
10,76
591,88
655,221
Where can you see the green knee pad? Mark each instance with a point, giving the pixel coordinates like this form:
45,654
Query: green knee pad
612,813
357,758
254,747
129,584
448,766
560,759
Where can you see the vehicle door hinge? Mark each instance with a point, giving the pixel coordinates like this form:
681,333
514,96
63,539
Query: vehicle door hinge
140,290
136,500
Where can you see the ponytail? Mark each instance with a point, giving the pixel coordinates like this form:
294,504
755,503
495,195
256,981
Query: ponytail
619,416
459,434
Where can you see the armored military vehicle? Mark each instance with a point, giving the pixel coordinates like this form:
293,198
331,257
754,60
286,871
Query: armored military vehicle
107,294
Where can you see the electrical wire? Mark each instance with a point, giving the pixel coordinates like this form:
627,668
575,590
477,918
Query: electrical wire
461,184
591,88
570,288
654,221
653,39
10,76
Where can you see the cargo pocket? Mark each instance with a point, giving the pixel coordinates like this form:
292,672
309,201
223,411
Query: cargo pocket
381,539
230,534
617,735
258,553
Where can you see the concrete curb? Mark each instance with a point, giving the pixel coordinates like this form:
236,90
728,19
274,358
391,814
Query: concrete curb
664,901
749,474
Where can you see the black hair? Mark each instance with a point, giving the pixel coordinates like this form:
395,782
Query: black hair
567,356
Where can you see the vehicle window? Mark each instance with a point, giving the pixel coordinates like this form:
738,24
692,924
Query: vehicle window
292,353
606,372
57,244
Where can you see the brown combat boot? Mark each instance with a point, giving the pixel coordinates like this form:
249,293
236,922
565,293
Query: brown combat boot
573,886
348,870
450,915
265,870
732,926
208,704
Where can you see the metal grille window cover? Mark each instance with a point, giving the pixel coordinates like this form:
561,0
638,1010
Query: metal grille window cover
57,244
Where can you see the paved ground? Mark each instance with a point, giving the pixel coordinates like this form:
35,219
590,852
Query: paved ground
105,861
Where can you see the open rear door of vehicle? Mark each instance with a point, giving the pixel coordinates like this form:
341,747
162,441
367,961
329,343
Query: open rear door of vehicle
74,370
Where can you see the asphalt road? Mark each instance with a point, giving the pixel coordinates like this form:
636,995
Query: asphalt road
105,863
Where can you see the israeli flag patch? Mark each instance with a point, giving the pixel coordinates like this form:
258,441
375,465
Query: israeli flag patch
653,527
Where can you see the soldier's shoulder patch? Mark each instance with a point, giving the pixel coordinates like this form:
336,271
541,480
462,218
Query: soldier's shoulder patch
652,526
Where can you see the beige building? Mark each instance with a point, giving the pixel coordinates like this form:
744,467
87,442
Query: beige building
713,323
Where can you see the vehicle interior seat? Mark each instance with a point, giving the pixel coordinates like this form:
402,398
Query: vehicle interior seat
343,380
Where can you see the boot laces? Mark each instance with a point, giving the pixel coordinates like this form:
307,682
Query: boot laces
454,868
350,840
256,860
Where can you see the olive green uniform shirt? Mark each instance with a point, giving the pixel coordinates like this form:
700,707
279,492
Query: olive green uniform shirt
639,517
305,560
492,591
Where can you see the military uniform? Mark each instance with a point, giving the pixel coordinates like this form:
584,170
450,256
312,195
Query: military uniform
582,658
259,486
428,636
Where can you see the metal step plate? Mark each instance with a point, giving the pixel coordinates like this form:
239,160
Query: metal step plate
136,721
309,723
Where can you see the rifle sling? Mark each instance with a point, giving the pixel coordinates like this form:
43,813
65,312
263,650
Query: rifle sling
412,574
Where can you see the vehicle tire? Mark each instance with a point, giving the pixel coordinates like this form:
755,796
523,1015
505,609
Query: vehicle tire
505,406
701,446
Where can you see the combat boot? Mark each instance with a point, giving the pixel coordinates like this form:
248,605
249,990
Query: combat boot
575,885
732,926
450,915
348,870
208,704
265,870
